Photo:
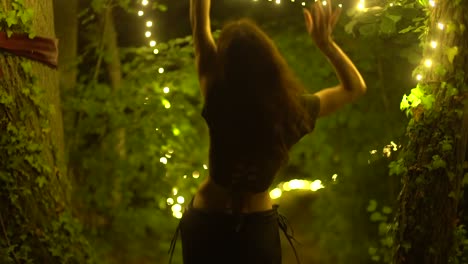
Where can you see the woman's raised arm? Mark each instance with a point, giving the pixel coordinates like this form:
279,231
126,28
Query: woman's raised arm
205,47
320,21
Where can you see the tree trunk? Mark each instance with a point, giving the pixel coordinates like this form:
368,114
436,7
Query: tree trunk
427,217
35,226
66,26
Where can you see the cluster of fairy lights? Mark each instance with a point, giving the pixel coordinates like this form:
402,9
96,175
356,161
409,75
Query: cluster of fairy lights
433,44
177,201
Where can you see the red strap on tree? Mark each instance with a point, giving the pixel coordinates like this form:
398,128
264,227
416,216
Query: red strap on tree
40,49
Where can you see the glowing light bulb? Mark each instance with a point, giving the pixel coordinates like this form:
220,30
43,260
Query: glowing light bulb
196,174
391,4
334,177
180,199
177,214
340,5
170,201
275,193
147,34
141,13
316,185
205,166
155,51
297,184
166,104
144,2
166,90
278,2
149,23
163,160
324,3
434,44
428,63
361,6
419,77
176,208
303,3
161,70
152,43
441,26
432,3
175,191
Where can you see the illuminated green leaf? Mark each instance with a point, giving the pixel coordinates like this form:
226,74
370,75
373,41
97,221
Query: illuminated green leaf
451,53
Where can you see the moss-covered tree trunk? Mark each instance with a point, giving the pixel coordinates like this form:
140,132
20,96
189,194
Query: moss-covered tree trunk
35,223
432,162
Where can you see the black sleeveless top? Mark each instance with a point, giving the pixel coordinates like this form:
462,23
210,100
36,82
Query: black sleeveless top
250,170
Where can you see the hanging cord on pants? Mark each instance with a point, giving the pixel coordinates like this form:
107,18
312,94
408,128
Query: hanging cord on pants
176,234
283,224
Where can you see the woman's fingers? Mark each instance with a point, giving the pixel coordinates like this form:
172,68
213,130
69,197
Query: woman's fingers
308,21
317,15
328,8
335,17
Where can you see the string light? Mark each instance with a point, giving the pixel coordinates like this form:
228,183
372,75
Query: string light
441,26
148,34
166,90
144,2
297,184
419,77
163,160
175,191
428,63
166,104
149,23
141,13
170,201
196,174
205,166
161,70
432,3
434,44
156,51
176,208
361,5
180,199
334,177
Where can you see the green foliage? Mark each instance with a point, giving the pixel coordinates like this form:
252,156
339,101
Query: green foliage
27,198
382,252
26,236
133,147
17,19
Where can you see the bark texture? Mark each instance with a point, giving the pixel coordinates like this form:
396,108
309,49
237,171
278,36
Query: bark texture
428,213
34,189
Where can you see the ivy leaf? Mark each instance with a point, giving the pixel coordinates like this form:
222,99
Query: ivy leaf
465,179
12,18
404,103
368,30
387,26
41,181
437,162
387,210
451,53
428,101
372,206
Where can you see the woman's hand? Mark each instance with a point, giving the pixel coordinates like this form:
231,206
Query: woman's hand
320,21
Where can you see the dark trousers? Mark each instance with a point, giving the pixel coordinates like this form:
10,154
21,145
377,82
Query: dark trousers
217,237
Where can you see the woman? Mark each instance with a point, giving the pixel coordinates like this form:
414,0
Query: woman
256,111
